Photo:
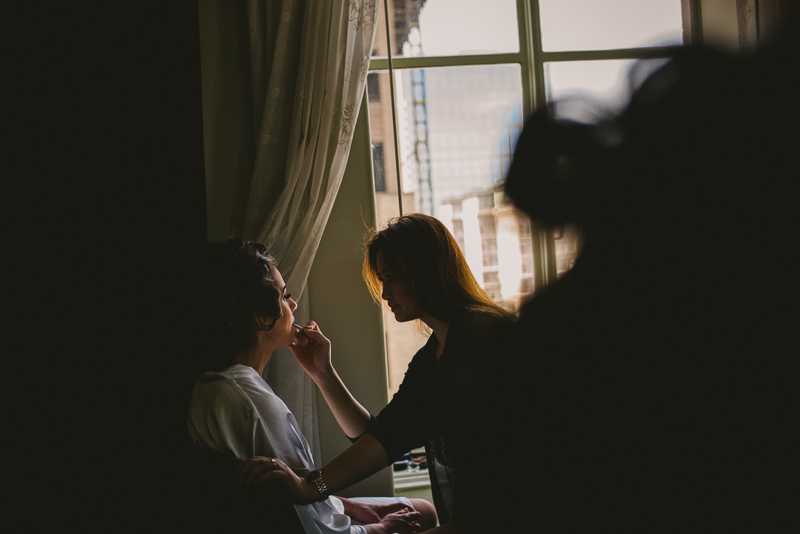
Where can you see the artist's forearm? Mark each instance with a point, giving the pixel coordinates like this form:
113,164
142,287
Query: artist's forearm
349,413
362,459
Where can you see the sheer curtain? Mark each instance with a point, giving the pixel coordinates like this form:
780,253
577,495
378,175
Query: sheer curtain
308,66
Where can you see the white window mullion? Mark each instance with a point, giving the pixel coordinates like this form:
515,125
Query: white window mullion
599,55
544,257
526,55
423,62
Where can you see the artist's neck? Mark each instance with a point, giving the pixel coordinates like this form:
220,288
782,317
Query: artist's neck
440,330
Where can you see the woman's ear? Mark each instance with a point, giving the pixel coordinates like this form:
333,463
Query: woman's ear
261,322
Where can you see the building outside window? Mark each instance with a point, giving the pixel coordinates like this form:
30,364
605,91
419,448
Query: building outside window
373,87
378,167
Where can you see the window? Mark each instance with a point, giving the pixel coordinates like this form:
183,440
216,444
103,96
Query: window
465,74
379,169
490,278
504,151
458,232
373,87
526,285
488,230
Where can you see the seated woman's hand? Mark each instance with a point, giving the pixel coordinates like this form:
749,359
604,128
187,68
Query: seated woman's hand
366,513
397,522
259,470
312,350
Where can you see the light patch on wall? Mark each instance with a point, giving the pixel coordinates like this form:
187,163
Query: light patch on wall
509,258
472,237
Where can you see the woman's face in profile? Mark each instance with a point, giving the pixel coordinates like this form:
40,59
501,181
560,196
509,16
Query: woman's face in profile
283,326
395,292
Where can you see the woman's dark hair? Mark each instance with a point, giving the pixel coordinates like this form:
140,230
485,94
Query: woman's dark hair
427,257
239,281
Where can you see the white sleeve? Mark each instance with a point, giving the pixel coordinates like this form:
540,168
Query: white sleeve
222,418
338,505
326,517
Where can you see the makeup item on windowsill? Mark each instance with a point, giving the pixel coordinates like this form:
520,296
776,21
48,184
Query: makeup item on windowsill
401,465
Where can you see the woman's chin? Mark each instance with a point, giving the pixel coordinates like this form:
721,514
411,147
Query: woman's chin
400,318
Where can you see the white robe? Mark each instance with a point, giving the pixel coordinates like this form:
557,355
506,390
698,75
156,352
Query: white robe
235,412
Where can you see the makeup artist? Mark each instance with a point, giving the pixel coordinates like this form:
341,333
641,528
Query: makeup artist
416,266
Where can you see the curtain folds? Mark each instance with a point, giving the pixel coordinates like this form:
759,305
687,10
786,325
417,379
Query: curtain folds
308,67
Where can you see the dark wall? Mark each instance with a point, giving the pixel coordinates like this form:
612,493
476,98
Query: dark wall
106,211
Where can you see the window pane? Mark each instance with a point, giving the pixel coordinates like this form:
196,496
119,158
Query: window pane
458,127
402,339
586,91
611,24
383,154
606,83
568,243
449,27
378,167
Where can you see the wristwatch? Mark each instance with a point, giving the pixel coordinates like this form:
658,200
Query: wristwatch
315,477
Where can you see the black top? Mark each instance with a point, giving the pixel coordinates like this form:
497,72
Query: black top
418,412
425,410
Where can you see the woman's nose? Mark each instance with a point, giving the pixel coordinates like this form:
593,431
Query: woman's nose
292,304
384,292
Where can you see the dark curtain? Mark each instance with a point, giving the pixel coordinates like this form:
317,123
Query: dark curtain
105,146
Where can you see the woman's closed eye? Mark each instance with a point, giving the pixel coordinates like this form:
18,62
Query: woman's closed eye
287,296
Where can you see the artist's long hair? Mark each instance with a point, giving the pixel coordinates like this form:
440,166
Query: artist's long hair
424,253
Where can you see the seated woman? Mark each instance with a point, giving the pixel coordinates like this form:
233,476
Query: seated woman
235,412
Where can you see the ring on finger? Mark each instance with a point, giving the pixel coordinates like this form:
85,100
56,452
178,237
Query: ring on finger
274,463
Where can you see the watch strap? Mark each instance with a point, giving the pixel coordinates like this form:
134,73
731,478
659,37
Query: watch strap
315,477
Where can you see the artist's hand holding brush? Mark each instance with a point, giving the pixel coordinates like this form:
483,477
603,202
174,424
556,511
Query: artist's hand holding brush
312,349
313,352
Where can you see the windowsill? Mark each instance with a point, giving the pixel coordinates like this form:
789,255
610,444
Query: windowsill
412,479
408,479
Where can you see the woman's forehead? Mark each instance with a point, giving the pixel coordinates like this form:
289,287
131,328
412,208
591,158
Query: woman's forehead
279,279
381,264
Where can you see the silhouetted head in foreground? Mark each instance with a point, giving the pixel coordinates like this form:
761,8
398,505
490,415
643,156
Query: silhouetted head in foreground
652,381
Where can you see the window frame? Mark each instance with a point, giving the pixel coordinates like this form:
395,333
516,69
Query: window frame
531,59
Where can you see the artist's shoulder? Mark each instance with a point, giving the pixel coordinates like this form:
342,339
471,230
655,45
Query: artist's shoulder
480,322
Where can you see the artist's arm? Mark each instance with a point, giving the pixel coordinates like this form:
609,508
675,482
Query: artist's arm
314,356
362,459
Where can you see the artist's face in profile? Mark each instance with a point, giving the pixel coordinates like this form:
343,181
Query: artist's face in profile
283,326
395,292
